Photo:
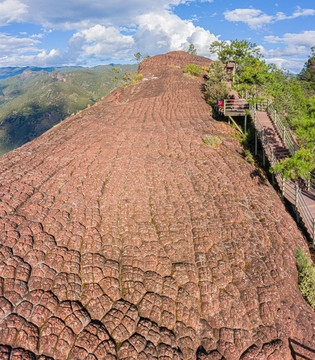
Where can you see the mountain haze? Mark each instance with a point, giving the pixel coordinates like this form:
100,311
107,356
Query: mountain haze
125,236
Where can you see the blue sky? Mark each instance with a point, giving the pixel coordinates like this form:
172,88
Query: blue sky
92,32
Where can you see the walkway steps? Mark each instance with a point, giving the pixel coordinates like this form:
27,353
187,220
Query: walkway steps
303,201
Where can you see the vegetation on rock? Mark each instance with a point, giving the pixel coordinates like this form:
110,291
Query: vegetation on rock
131,78
192,70
306,276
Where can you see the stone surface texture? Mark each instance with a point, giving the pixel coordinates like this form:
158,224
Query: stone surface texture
124,236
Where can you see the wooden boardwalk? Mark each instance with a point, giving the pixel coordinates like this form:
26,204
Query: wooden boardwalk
278,145
294,192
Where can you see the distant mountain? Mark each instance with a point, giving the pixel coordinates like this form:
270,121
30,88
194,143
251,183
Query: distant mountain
38,98
6,72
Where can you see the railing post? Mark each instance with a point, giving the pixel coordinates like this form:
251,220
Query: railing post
264,157
308,184
314,231
297,202
284,134
224,106
275,114
255,142
271,157
283,187
263,145
245,124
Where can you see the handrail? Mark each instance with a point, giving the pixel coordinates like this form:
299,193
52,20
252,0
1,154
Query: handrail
286,137
290,190
283,131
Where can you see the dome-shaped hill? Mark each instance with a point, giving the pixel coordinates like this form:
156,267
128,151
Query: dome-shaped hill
125,236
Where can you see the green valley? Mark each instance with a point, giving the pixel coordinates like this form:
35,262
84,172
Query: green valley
34,101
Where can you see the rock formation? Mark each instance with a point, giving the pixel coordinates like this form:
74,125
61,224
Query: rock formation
125,236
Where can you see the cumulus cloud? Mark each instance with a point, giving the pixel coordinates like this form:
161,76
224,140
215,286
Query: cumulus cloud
43,58
12,45
102,41
106,30
164,31
154,33
255,18
80,14
294,44
11,10
292,51
293,65
306,38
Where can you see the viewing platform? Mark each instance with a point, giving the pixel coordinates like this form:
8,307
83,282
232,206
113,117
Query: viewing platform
232,107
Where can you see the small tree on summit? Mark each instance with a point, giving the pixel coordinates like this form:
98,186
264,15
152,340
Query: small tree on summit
138,57
192,50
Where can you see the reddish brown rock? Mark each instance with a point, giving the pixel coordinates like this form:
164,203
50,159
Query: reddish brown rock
124,236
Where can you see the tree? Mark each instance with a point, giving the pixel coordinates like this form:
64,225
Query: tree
138,57
216,87
307,74
235,50
192,50
303,161
116,71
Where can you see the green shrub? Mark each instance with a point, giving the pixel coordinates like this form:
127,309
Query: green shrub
192,70
131,78
212,141
306,276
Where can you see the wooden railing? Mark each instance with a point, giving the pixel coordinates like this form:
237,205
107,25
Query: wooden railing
290,190
283,130
285,134
233,106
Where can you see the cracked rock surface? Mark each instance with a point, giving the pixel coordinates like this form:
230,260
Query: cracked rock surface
124,236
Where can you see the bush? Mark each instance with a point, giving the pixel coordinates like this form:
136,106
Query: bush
306,276
192,70
212,141
131,78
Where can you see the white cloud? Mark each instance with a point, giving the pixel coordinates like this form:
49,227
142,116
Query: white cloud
306,38
82,14
105,42
11,10
163,31
295,44
12,45
255,18
42,59
295,48
153,34
293,65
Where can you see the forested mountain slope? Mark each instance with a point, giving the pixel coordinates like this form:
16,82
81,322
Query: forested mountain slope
34,101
